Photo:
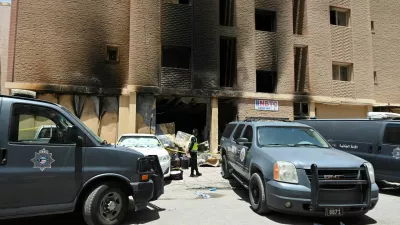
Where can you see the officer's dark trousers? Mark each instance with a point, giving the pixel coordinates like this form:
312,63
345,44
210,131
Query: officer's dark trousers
193,163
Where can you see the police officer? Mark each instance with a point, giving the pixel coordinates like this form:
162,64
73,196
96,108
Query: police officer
193,147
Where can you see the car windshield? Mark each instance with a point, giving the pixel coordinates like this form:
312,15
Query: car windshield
139,141
84,126
290,136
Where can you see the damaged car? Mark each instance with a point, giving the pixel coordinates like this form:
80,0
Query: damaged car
289,167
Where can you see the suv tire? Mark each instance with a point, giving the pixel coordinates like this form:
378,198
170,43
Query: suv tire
95,210
257,195
225,168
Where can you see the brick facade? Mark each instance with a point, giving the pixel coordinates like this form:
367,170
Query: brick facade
65,43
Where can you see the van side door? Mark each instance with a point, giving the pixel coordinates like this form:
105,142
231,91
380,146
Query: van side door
388,153
38,176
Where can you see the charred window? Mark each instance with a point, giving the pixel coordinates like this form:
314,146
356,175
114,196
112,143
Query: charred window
112,54
227,62
176,57
301,109
265,20
226,12
266,81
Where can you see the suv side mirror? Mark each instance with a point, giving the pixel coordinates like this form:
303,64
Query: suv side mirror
243,141
166,146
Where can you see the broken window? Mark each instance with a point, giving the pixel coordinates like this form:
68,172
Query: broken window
265,20
301,109
342,72
176,57
112,53
340,17
300,69
298,16
226,12
227,62
186,2
266,81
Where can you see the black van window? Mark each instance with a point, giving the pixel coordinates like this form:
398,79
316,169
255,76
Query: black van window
392,134
238,131
228,130
28,122
248,133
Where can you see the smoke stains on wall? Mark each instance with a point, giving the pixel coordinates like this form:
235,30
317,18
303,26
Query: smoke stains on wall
146,114
100,114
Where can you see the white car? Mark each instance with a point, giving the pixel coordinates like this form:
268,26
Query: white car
148,144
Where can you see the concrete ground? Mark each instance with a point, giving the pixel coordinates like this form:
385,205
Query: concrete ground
181,205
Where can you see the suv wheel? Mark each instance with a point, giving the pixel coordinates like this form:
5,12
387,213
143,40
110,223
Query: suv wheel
258,198
105,205
225,168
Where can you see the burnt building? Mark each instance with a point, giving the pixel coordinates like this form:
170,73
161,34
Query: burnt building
128,65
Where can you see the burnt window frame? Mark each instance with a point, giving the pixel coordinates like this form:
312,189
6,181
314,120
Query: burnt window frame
232,21
265,11
112,61
233,69
301,104
163,47
273,73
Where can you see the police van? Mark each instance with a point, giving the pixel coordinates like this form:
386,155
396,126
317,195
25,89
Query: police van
71,170
376,140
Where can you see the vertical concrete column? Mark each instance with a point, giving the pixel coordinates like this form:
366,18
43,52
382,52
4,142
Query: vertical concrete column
214,126
123,115
132,112
312,109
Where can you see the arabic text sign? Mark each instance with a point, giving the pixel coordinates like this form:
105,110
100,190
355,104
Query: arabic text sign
266,105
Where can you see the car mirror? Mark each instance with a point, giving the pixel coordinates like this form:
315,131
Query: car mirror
243,141
72,133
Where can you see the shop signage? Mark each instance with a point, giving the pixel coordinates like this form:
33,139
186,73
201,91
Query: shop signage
266,105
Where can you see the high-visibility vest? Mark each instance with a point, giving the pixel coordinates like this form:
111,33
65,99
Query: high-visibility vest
195,145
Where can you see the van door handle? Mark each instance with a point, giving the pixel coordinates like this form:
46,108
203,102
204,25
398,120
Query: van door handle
379,149
3,156
370,149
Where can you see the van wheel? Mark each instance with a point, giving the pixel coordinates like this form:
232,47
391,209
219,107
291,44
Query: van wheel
258,198
225,168
105,205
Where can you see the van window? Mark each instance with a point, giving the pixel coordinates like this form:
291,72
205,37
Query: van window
392,134
228,130
248,133
29,124
238,131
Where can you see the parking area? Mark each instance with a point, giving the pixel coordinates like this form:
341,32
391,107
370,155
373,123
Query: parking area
183,203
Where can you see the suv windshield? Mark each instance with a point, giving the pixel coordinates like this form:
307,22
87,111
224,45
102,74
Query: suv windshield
139,142
290,136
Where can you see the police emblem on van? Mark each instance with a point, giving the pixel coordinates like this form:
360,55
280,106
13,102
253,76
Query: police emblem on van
42,160
396,153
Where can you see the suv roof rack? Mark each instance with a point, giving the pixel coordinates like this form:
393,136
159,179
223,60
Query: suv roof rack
255,119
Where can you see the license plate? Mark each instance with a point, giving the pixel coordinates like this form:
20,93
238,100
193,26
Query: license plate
333,212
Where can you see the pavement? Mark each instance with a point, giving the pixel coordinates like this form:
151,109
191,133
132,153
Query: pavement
211,177
182,204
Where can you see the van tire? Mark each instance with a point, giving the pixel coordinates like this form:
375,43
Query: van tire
257,195
92,209
225,168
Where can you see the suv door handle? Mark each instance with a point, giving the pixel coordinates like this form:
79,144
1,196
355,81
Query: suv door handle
3,156
379,149
370,149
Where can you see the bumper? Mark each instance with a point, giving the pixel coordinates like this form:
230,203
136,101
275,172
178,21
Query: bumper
300,198
145,192
166,168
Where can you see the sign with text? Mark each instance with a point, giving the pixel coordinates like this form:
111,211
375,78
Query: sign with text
266,105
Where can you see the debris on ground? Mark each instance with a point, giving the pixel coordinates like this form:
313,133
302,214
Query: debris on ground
213,189
209,159
202,195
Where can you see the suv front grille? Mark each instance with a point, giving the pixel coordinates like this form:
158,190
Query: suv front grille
336,175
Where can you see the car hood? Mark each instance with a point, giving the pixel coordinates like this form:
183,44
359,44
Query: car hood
304,157
150,151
